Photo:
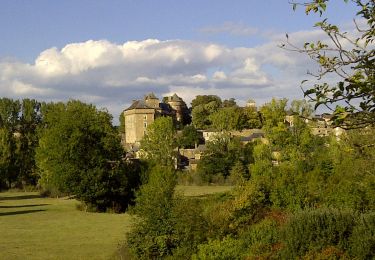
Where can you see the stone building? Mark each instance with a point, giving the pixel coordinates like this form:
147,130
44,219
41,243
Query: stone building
251,103
143,112
177,104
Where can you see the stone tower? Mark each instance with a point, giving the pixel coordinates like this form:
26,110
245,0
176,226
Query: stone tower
251,103
139,116
179,106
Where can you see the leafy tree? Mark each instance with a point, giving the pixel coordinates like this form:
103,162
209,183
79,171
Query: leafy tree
79,153
301,108
189,137
9,124
152,237
202,108
159,142
227,118
229,103
9,113
220,156
6,158
30,120
273,112
238,173
251,117
205,99
121,119
349,57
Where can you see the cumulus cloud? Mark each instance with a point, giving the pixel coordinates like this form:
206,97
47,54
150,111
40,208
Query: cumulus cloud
111,75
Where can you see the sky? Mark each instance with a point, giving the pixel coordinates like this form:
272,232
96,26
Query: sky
111,52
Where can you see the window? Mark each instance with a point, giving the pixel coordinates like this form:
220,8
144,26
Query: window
145,124
145,117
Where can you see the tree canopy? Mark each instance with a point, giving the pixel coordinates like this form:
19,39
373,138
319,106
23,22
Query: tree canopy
159,142
79,153
350,57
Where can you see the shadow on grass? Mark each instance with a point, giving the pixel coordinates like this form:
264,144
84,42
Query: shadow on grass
20,212
23,206
21,197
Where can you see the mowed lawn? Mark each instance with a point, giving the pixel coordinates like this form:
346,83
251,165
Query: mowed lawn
32,227
45,228
201,191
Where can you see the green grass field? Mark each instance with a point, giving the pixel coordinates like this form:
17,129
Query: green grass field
32,227
47,228
199,191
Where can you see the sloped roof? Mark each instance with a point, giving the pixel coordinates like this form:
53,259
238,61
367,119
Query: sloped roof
175,98
150,96
138,104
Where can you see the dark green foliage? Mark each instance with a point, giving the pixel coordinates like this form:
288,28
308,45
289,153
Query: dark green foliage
167,225
251,118
189,137
79,153
261,239
121,119
315,230
239,173
362,240
227,248
227,118
190,226
19,121
202,107
220,156
159,142
153,235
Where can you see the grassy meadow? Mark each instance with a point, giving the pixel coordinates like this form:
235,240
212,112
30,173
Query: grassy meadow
47,228
32,227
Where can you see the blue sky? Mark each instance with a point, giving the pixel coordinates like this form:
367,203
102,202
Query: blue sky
111,52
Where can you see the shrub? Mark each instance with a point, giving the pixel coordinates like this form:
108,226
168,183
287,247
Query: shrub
362,241
152,236
228,248
262,238
314,230
190,226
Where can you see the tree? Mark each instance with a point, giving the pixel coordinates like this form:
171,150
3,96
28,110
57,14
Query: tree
6,158
153,236
189,137
202,108
205,99
350,57
229,103
159,142
252,118
220,156
79,153
122,123
30,120
9,124
227,118
273,112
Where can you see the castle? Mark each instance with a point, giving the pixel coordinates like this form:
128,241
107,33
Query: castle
144,111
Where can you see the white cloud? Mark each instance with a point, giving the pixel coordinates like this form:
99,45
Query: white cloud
111,75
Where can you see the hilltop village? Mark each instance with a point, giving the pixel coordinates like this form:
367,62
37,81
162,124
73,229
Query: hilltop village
143,112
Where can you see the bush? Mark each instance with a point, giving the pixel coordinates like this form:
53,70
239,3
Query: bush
228,248
262,239
190,227
362,241
314,230
152,237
